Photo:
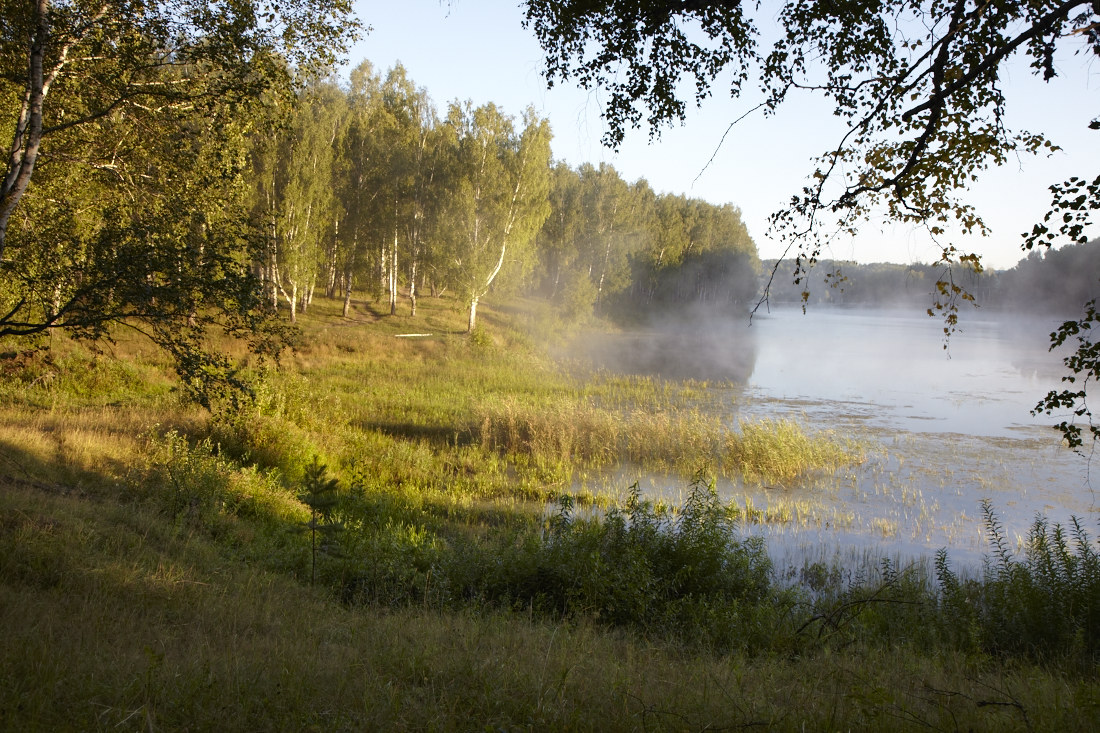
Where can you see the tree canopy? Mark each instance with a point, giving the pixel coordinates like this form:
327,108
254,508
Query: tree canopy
122,193
918,83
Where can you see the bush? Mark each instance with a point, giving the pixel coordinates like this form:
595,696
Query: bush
203,486
1046,605
680,574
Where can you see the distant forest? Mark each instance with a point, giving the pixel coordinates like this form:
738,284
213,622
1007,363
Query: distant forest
1055,282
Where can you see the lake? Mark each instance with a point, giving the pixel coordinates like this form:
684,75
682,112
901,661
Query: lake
944,428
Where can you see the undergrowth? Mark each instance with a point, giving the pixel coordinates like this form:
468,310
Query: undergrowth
1046,604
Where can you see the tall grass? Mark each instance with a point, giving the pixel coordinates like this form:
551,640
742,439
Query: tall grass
1045,604
570,431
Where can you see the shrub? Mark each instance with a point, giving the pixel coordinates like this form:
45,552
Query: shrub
1047,604
682,574
202,485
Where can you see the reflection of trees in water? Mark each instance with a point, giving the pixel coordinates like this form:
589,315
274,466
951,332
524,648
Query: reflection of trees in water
678,350
1027,341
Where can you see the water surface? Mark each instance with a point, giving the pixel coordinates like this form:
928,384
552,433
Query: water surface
944,428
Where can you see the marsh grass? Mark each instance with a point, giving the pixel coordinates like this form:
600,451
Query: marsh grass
570,431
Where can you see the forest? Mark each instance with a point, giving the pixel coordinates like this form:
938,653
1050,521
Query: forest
366,188
357,188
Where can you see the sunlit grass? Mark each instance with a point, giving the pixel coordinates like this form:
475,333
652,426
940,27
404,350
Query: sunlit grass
567,431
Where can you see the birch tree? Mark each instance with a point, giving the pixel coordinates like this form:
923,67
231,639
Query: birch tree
359,147
295,168
123,194
499,188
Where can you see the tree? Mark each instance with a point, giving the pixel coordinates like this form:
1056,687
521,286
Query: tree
917,83
414,156
499,185
606,204
361,170
122,193
298,209
71,64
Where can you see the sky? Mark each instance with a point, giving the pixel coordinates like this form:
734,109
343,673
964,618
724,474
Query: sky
477,50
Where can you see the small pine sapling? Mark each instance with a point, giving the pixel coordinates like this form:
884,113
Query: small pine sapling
322,497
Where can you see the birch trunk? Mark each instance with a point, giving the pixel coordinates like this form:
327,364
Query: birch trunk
412,285
393,276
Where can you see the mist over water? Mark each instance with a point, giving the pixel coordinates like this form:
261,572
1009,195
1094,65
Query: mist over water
944,428
891,368
697,344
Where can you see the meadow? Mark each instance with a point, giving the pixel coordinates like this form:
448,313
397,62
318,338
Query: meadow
413,532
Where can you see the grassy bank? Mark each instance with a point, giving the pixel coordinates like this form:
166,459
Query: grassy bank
159,568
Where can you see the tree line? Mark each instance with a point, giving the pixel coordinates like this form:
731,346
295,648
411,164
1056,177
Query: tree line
365,188
1052,282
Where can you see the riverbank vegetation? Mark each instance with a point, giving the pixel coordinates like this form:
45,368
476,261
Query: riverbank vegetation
164,566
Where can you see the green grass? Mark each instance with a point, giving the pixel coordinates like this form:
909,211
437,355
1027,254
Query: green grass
156,568
116,619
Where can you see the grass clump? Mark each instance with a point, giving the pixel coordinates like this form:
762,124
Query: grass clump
574,432
781,451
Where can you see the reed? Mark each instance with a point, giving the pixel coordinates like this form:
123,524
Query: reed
571,430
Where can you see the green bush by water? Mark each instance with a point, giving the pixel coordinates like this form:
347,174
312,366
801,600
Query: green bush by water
1046,604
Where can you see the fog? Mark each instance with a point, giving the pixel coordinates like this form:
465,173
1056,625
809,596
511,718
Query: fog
944,428
700,343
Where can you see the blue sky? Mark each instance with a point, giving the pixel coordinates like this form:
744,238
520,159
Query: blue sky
477,50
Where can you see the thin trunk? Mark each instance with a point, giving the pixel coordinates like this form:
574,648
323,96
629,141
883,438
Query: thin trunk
383,275
412,285
393,276
473,316
330,273
307,296
291,298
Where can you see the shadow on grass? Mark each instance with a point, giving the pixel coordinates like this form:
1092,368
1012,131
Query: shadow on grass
435,435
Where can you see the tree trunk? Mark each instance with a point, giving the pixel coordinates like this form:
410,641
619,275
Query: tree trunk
383,275
347,294
412,286
28,127
307,297
473,316
393,276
